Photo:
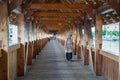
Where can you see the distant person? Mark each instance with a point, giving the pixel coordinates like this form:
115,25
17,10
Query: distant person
69,47
49,39
55,37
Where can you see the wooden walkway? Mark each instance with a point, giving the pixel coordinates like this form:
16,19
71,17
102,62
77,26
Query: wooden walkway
51,64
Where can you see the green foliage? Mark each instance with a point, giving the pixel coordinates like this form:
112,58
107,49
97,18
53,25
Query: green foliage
104,31
115,33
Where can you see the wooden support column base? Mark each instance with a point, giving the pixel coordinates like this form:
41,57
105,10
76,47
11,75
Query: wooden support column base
86,57
79,52
34,50
98,63
37,47
75,52
21,60
3,65
30,54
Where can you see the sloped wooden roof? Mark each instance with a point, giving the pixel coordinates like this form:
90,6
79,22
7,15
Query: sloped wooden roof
57,14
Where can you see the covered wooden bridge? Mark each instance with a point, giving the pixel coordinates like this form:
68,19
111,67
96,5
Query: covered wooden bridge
26,54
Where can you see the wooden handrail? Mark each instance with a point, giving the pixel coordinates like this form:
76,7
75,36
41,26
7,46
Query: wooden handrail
111,56
13,47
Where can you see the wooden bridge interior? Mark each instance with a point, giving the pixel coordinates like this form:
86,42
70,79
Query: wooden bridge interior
60,17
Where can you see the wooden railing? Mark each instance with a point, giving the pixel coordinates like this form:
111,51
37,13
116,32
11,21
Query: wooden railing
13,63
3,65
110,66
107,63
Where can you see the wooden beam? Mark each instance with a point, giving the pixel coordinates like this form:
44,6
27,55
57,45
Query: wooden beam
28,1
64,1
56,14
55,19
103,8
114,16
52,21
59,6
14,4
107,20
115,5
52,1
28,14
58,27
98,45
90,13
55,26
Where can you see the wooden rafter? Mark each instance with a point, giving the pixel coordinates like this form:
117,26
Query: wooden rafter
103,8
69,10
55,22
28,14
39,1
65,1
52,1
59,6
107,20
52,19
113,17
28,1
56,14
54,27
115,5
14,4
55,19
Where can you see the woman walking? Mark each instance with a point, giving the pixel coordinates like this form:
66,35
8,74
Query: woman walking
69,47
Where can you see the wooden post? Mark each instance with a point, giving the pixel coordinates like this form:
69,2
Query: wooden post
37,38
81,40
86,40
119,52
76,36
4,26
4,41
30,48
78,42
40,38
98,45
21,50
34,49
90,42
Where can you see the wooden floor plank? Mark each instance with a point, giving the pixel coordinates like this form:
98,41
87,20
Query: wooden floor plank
51,64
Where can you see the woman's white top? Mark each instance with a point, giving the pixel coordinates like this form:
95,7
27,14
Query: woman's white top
69,45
